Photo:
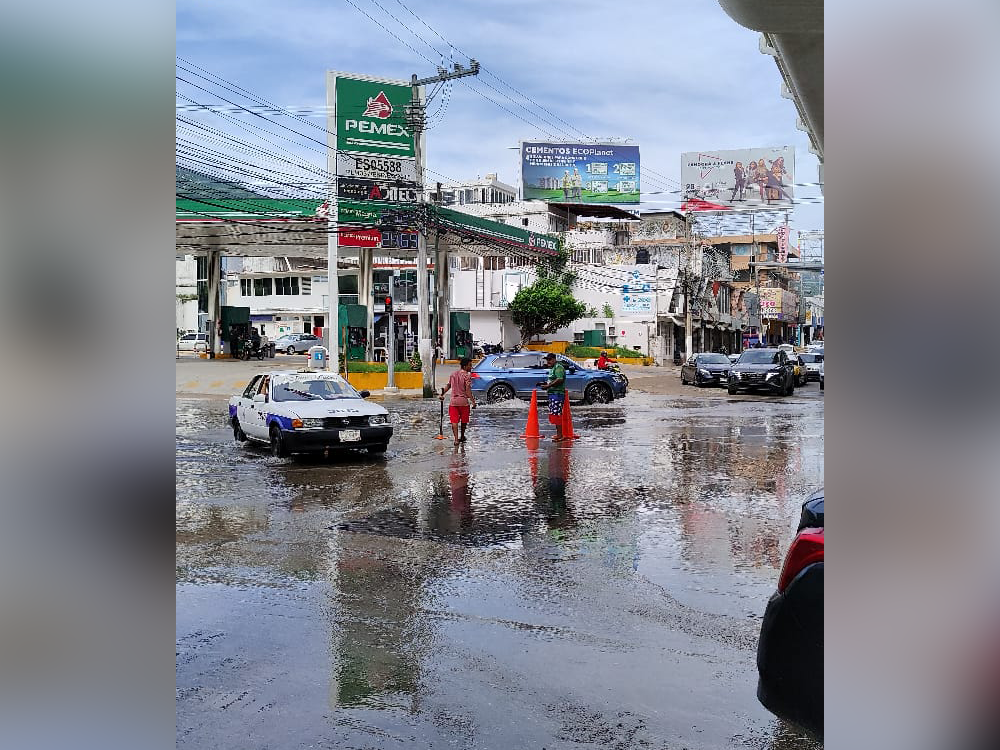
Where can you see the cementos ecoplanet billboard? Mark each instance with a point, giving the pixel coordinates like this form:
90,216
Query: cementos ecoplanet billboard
579,172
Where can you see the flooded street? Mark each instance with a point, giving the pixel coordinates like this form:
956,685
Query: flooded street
604,593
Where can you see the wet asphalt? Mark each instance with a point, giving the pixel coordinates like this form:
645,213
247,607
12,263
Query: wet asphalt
604,593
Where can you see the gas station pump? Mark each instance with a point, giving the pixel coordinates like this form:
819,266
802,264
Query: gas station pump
461,336
353,320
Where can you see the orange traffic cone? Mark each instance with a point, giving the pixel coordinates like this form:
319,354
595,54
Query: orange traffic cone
567,420
531,428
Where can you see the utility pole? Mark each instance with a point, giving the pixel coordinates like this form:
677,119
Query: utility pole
688,327
332,237
416,119
755,278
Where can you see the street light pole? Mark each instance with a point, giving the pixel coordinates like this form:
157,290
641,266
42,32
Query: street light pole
416,119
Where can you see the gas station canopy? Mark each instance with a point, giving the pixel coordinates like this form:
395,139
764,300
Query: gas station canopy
282,226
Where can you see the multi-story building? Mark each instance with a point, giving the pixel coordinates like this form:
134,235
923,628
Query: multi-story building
775,291
699,276
487,191
291,294
597,238
285,295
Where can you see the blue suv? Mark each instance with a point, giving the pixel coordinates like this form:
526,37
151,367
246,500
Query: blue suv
504,376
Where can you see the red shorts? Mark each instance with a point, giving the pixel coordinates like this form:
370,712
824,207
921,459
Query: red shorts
458,414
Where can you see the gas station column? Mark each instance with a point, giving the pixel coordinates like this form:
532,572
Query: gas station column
443,286
214,308
366,260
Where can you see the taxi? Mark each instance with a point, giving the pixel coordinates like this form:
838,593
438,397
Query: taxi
308,411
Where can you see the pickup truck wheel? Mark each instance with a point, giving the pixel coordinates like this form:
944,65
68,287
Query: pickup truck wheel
278,449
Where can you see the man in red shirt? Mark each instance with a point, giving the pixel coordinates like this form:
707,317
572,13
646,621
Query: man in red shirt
602,362
460,385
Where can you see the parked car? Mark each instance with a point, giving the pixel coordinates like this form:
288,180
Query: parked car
767,369
499,377
790,648
812,361
296,343
193,342
787,349
706,369
307,411
822,375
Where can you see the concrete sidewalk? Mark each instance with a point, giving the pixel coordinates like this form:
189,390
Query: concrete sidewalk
227,377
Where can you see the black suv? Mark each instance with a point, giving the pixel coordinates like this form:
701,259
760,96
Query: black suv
763,369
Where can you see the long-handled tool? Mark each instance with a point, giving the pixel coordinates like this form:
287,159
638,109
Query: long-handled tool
440,435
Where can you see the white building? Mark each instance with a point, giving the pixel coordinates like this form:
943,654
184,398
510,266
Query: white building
486,191
599,241
285,295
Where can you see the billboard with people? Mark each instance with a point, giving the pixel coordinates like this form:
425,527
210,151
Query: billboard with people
739,178
580,172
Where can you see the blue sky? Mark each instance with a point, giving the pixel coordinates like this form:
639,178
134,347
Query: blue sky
671,76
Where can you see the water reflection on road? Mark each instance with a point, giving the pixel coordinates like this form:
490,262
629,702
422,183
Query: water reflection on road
501,594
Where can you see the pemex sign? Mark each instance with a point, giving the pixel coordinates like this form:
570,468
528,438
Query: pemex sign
370,116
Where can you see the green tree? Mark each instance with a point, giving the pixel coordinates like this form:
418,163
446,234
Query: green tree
545,306
608,312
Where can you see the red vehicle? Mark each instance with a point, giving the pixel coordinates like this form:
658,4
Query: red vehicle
790,649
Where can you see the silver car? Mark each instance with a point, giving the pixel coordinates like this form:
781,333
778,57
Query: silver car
296,343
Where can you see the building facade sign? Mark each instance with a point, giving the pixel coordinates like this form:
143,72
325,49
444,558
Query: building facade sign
637,303
783,243
778,304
